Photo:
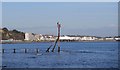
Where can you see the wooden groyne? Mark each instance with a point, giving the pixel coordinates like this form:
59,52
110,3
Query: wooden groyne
25,50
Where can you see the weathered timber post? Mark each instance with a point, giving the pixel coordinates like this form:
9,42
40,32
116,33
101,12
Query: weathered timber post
3,50
13,50
58,25
37,50
25,50
54,45
58,36
48,48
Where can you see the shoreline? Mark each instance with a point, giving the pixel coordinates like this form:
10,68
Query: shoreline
21,42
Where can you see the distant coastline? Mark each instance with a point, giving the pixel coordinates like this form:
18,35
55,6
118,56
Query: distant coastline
21,42
14,36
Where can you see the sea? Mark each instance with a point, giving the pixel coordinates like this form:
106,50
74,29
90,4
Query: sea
71,55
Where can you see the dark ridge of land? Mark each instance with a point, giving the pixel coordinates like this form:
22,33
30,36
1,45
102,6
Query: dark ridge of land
6,34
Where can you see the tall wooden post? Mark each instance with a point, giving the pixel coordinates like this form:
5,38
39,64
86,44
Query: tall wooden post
58,25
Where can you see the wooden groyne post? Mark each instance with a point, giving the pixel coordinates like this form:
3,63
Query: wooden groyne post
3,50
58,36
14,50
48,48
37,50
54,45
58,39
25,50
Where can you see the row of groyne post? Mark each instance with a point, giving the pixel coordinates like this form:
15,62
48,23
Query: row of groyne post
36,50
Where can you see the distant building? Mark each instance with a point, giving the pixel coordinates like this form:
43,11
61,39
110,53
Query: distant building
29,37
65,38
77,38
38,37
34,37
88,38
49,38
117,39
100,38
109,38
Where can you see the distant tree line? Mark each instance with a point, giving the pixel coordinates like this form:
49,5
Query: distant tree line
12,34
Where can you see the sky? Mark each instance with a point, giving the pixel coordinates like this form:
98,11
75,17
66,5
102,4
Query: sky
76,18
60,0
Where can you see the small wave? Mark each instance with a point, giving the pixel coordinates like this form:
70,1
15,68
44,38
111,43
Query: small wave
84,51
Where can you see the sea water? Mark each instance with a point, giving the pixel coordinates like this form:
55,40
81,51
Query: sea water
72,55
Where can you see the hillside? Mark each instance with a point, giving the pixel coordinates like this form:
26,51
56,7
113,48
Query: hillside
11,34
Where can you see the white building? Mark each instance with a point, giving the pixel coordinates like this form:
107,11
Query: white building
49,38
109,38
65,38
75,38
29,36
117,38
38,37
33,37
88,38
78,38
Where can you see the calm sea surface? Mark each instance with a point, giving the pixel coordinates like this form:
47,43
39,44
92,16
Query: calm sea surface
72,55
